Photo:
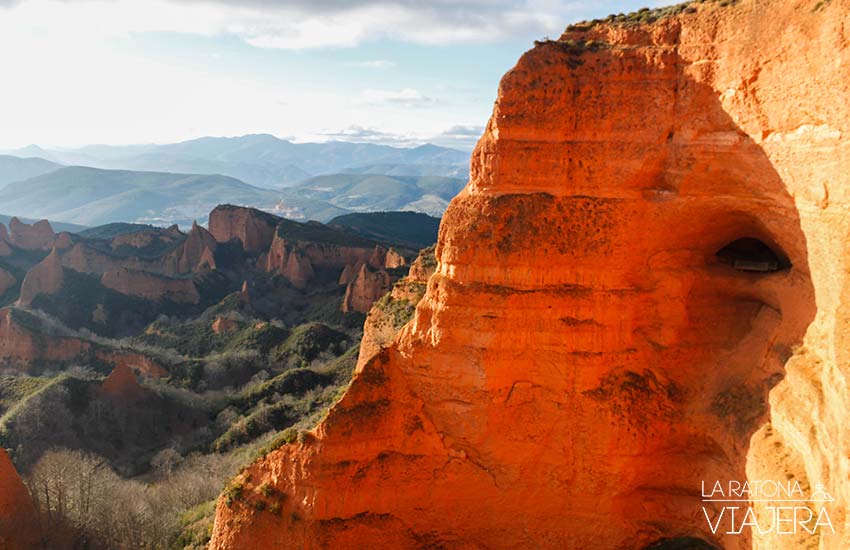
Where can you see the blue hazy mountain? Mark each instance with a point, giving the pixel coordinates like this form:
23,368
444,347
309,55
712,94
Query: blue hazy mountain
16,168
263,160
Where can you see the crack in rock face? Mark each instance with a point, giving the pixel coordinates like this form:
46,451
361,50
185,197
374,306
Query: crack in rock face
626,291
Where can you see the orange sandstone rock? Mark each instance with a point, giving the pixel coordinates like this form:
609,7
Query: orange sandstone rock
46,277
122,384
38,236
223,324
298,270
390,313
197,252
378,258
253,228
21,345
18,519
394,259
365,289
63,241
300,260
596,341
244,297
136,362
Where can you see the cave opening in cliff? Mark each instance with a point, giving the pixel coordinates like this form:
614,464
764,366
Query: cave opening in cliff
682,543
753,255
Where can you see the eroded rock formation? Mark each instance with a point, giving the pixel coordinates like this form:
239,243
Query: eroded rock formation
391,312
18,519
197,252
136,362
47,277
304,252
22,344
223,324
38,236
365,289
585,356
253,228
122,384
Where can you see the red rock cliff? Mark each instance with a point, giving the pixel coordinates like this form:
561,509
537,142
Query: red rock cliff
46,277
21,344
196,253
365,289
598,339
253,228
38,236
18,520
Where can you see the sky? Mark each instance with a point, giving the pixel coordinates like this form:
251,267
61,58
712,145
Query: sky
399,72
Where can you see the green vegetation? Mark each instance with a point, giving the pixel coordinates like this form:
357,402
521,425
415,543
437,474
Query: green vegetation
197,338
398,311
306,342
233,491
320,233
112,230
645,16
14,389
379,193
217,384
91,196
411,229
82,294
196,526
157,248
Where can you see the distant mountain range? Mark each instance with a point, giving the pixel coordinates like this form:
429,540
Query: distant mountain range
92,196
262,160
381,193
179,183
17,169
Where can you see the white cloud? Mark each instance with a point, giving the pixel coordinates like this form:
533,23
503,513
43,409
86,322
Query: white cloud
459,136
407,97
361,134
302,24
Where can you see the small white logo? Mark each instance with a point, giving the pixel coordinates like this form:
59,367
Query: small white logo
783,509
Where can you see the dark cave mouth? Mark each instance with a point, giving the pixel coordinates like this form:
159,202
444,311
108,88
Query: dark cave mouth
681,543
752,255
